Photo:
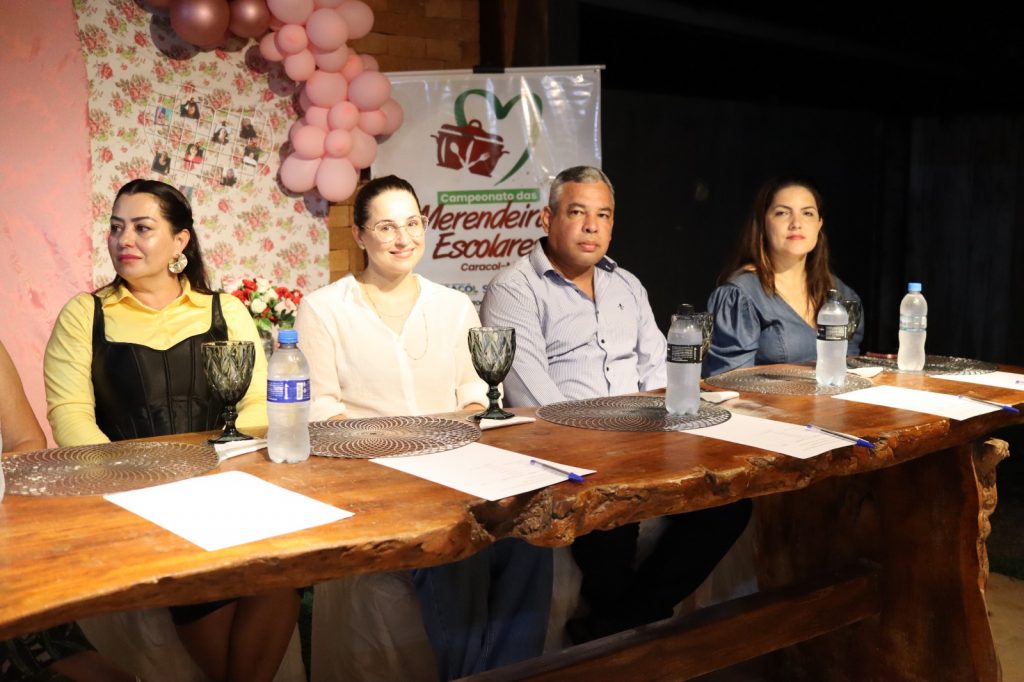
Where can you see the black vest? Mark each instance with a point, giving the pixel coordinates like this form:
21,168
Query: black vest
142,392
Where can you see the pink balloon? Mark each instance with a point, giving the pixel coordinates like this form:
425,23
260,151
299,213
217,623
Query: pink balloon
268,48
358,16
364,149
275,23
326,89
326,29
317,116
330,4
249,18
291,11
338,143
369,62
373,122
304,103
353,66
201,22
294,128
394,114
299,175
291,39
332,61
336,179
343,116
369,90
300,66
308,142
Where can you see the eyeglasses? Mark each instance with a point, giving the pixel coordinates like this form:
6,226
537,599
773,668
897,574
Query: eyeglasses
386,231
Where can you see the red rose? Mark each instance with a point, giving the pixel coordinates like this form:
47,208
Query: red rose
268,245
240,295
249,284
140,39
223,206
106,155
106,71
298,206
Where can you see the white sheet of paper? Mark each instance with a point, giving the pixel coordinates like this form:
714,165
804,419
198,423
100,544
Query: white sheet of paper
486,424
481,470
1010,380
795,440
226,509
940,404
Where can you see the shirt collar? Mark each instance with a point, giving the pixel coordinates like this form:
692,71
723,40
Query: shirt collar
120,294
542,265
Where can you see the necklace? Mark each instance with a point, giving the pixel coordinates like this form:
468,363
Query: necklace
423,316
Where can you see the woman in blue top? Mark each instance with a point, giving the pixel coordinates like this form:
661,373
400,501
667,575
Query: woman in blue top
766,306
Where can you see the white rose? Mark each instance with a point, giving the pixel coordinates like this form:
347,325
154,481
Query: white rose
288,306
262,284
270,295
257,306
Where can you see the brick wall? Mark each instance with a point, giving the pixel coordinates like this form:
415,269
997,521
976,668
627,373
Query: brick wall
408,35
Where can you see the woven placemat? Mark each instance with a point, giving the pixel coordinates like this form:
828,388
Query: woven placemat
630,413
933,364
782,381
389,436
105,468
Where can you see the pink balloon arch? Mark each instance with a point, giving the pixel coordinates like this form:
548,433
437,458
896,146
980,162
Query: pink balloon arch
345,101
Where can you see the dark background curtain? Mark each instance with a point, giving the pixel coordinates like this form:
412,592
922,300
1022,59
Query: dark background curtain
910,122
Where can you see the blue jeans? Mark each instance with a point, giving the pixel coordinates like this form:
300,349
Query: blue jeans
488,610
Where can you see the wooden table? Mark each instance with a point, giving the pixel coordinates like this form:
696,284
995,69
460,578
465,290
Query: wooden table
872,564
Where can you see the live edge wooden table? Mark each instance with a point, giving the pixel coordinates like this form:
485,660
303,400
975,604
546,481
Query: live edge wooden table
872,564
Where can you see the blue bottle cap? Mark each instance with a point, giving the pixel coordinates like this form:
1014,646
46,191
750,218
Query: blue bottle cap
287,336
914,287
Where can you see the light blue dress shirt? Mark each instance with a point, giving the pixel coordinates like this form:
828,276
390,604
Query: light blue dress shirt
569,347
753,328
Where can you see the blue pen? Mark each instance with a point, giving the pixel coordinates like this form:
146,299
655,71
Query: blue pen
1001,406
845,436
572,476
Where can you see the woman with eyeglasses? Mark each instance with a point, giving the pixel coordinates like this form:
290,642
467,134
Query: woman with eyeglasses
389,342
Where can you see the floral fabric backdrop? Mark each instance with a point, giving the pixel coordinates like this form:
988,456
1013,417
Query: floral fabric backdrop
211,123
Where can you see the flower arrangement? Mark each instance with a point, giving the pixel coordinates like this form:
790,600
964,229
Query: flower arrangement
269,306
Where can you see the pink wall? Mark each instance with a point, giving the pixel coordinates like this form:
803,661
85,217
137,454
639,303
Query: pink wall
44,179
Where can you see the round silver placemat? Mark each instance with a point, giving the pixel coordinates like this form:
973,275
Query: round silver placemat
105,468
933,364
389,436
629,413
782,381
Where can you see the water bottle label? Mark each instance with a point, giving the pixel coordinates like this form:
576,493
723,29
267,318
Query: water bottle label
832,332
682,353
287,390
913,323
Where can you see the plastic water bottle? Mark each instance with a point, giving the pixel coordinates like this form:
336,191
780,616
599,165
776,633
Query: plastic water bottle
685,354
832,340
288,401
913,329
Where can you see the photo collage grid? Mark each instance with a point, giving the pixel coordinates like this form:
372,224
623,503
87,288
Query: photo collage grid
192,141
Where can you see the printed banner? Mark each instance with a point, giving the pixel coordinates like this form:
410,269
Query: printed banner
481,150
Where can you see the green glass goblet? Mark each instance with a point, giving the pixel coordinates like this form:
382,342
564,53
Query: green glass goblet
228,366
492,350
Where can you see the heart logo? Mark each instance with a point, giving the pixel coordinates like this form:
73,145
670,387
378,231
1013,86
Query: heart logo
501,111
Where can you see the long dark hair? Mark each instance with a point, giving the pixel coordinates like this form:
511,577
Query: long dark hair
752,250
371,190
175,209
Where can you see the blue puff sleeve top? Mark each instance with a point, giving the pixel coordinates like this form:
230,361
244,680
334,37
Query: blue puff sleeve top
753,328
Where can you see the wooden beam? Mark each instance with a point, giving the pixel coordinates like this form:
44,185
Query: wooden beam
713,638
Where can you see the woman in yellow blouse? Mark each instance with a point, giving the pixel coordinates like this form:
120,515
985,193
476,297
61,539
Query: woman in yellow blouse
124,362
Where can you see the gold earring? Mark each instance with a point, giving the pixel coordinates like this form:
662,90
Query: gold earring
177,264
362,247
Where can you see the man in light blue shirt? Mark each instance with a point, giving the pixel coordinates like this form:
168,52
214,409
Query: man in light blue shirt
584,329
